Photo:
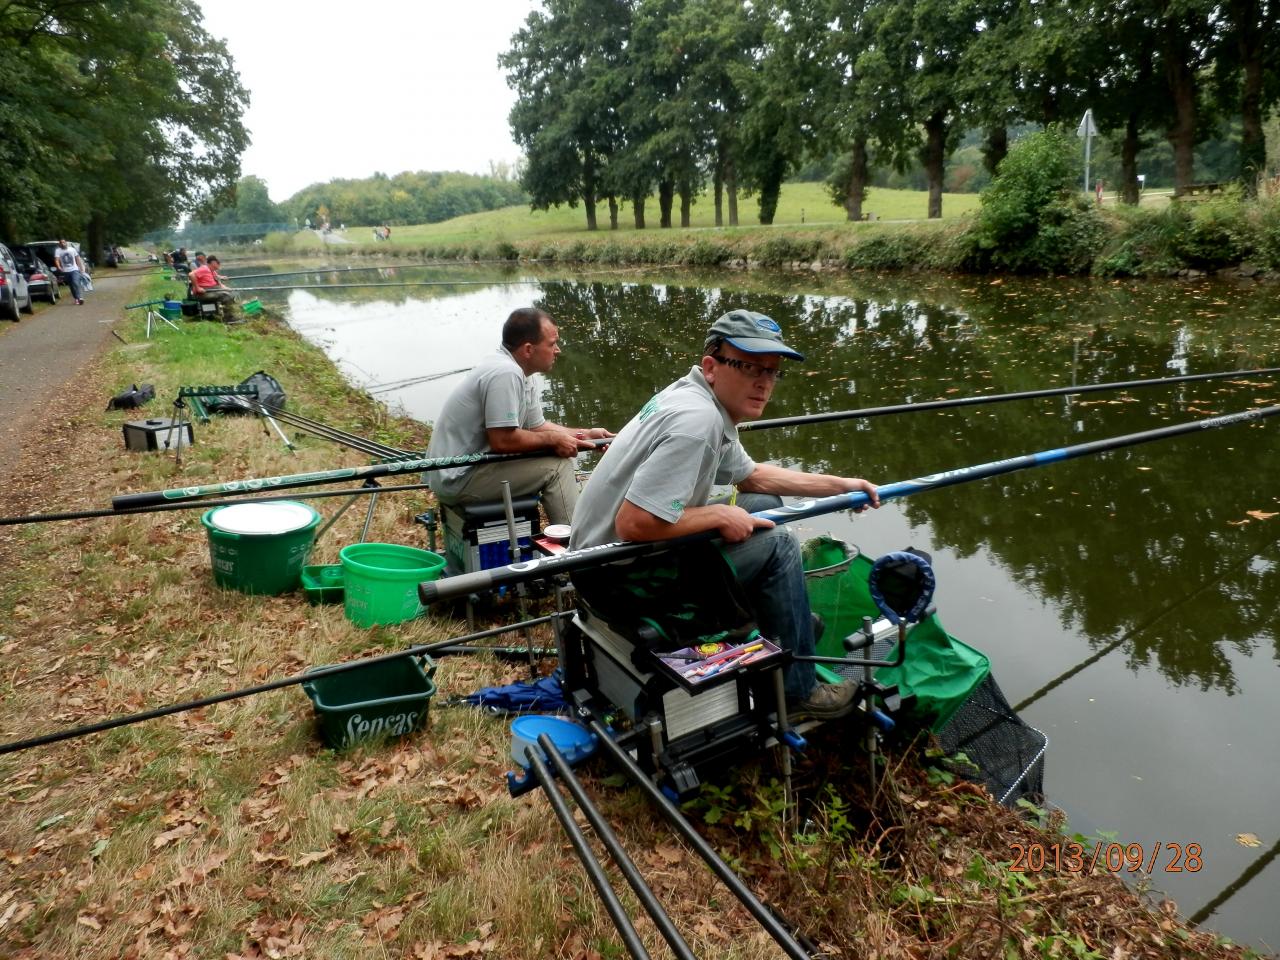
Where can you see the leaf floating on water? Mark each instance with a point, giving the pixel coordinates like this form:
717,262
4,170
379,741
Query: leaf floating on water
1248,840
1144,468
1259,514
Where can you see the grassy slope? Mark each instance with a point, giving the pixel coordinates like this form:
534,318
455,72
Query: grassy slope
231,832
800,202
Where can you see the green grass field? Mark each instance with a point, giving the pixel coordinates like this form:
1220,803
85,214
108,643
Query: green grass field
805,203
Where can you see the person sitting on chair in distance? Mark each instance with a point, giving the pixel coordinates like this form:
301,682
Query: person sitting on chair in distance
207,287
655,483
498,408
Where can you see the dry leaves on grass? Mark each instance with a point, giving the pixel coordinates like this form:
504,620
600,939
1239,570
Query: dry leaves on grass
273,939
484,943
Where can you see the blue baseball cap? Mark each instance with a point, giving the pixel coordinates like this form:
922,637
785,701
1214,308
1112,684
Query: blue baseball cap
751,333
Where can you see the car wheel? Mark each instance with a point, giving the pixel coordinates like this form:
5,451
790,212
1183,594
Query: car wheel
31,304
11,309
53,292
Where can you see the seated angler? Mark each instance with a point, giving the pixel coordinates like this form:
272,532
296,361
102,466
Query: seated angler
498,408
655,483
207,286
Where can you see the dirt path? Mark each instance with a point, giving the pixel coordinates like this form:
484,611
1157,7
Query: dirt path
42,357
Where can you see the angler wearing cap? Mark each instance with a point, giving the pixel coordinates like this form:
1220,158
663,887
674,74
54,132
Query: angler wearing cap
655,483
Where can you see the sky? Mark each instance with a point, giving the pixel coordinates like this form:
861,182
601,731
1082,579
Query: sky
347,90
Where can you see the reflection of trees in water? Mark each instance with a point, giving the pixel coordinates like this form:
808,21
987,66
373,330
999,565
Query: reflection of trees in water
1106,539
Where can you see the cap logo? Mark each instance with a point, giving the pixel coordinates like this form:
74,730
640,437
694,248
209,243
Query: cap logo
764,323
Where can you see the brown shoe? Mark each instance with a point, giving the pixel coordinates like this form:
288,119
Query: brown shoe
828,701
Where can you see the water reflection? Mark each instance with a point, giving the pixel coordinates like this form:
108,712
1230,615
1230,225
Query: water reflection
1155,566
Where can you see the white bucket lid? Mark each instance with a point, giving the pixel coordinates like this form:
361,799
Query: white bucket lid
262,518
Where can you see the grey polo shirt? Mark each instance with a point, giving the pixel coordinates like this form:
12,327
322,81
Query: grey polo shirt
494,393
673,452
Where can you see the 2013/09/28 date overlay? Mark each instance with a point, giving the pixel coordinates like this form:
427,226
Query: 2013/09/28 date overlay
1072,857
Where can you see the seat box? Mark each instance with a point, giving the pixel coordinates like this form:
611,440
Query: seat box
159,433
476,538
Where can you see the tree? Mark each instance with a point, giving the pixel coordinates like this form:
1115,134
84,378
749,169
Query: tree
565,65
778,91
1247,63
140,119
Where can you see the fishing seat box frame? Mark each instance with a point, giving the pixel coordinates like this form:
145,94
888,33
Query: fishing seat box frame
677,731
476,537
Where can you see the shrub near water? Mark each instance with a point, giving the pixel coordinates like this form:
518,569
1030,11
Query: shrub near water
1032,220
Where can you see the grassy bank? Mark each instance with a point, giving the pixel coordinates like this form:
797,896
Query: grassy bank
232,832
1158,238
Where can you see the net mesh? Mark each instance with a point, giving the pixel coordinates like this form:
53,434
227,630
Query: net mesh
1003,752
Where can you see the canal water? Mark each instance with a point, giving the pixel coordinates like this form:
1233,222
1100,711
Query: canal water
1130,597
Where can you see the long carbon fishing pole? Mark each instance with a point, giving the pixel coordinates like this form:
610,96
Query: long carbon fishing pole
595,871
132,501
644,893
384,283
323,430
307,273
483,580
411,381
997,398
440,646
369,489
620,758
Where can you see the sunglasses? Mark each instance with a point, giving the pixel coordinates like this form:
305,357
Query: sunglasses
752,370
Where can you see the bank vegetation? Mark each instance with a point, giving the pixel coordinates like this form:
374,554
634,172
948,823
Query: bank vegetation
233,832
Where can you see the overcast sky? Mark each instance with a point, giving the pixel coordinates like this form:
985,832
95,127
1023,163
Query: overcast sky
344,90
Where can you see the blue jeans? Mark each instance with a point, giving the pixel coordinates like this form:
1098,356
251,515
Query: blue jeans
768,564
75,282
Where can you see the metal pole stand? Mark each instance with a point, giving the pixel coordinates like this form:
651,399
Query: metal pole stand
154,319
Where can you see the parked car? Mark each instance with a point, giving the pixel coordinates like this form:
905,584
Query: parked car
14,292
41,280
46,250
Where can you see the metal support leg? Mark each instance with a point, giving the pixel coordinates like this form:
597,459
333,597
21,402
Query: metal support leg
513,543
784,728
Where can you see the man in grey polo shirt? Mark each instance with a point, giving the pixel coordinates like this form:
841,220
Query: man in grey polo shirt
498,408
655,483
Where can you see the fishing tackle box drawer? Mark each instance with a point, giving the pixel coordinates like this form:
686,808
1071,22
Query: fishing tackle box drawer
476,537
698,675
160,433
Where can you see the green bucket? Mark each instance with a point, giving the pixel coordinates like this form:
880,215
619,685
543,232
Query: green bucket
384,700
252,307
381,581
260,547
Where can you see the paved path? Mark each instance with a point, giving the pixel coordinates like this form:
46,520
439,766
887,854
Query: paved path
42,355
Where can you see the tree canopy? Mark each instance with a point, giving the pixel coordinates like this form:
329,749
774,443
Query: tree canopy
618,97
116,118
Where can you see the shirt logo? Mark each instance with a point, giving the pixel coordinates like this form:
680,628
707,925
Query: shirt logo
677,506
648,410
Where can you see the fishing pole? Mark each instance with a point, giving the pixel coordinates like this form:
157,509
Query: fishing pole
303,273
996,398
411,381
1128,635
132,501
398,283
539,567
129,501
370,487
439,646
323,430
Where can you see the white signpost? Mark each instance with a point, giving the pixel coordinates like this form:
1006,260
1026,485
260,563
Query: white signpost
1088,131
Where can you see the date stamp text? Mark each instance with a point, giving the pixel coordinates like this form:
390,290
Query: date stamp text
1072,857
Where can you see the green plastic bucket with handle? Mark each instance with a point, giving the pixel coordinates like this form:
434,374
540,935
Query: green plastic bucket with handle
260,547
381,581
